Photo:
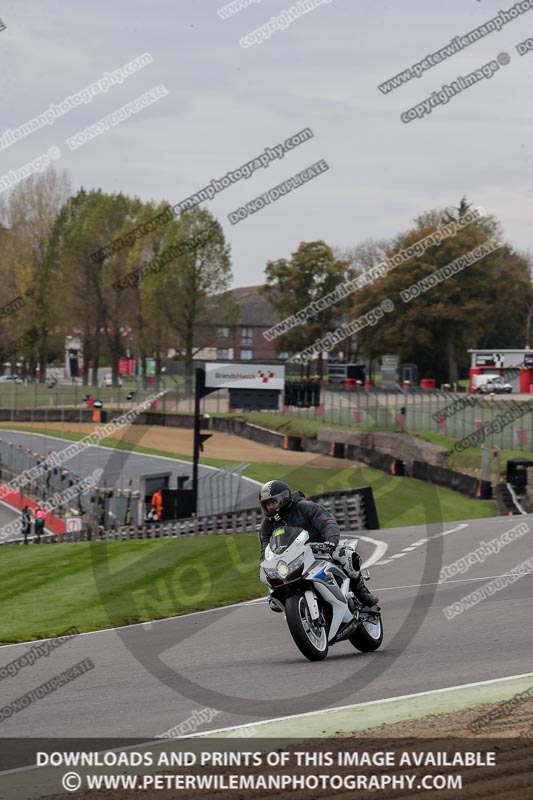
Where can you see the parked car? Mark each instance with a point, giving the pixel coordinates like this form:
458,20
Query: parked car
497,385
10,379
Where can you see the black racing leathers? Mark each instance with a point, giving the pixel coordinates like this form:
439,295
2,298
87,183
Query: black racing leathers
309,516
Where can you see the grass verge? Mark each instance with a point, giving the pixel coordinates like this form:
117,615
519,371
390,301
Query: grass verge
95,585
468,461
399,501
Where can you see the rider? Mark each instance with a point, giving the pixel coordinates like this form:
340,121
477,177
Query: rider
281,506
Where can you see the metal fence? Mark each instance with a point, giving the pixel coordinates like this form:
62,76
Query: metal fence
412,410
353,508
67,397
48,485
418,411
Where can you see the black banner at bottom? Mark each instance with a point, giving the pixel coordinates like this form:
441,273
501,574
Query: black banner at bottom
256,768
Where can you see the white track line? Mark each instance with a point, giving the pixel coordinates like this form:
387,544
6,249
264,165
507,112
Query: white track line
133,624
381,549
411,547
445,583
409,586
290,717
364,705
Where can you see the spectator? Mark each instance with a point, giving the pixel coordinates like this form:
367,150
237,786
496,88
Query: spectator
39,523
157,503
26,523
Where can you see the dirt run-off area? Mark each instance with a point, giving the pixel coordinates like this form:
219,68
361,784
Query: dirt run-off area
440,744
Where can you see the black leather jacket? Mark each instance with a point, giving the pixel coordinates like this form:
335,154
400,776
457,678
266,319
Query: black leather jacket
309,516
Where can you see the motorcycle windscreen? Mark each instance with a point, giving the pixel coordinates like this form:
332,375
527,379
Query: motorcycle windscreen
282,537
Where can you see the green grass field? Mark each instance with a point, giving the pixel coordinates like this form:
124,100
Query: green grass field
399,501
95,585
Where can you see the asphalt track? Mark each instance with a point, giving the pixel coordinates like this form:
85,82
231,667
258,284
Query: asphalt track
120,466
242,661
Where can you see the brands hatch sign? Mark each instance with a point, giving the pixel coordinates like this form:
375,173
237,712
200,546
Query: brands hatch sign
244,376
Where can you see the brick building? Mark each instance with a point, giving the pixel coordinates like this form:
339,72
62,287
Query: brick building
242,339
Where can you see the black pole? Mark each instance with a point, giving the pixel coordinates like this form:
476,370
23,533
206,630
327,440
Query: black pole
127,516
198,385
200,391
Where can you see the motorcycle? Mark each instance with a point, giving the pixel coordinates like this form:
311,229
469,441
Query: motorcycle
315,595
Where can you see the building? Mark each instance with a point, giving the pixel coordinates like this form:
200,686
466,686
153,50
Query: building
242,339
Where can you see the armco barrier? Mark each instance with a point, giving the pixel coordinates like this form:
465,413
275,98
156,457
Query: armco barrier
373,458
354,510
439,476
247,430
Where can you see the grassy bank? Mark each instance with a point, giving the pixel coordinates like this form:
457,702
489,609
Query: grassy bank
399,501
468,461
95,585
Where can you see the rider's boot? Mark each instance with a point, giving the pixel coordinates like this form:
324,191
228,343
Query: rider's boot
358,587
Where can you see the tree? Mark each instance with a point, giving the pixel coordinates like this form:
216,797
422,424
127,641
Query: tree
30,214
508,325
470,308
180,295
312,272
141,299
84,300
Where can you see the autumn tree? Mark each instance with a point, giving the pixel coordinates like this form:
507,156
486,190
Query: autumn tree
178,298
85,301
476,306
312,272
30,213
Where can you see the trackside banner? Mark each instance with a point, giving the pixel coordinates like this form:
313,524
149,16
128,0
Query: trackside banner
244,376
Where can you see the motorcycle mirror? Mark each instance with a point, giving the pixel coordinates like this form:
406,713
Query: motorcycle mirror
302,537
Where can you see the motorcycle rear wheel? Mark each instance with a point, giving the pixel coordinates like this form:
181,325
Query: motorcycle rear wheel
368,636
310,638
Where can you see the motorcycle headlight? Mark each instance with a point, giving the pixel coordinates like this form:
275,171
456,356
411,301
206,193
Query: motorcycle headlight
270,573
296,564
283,569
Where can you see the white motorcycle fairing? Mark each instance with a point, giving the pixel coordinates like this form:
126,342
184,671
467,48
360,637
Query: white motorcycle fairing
298,560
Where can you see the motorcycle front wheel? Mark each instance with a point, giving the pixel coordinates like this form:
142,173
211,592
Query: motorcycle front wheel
309,636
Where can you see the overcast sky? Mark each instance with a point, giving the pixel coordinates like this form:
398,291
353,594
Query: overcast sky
226,103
